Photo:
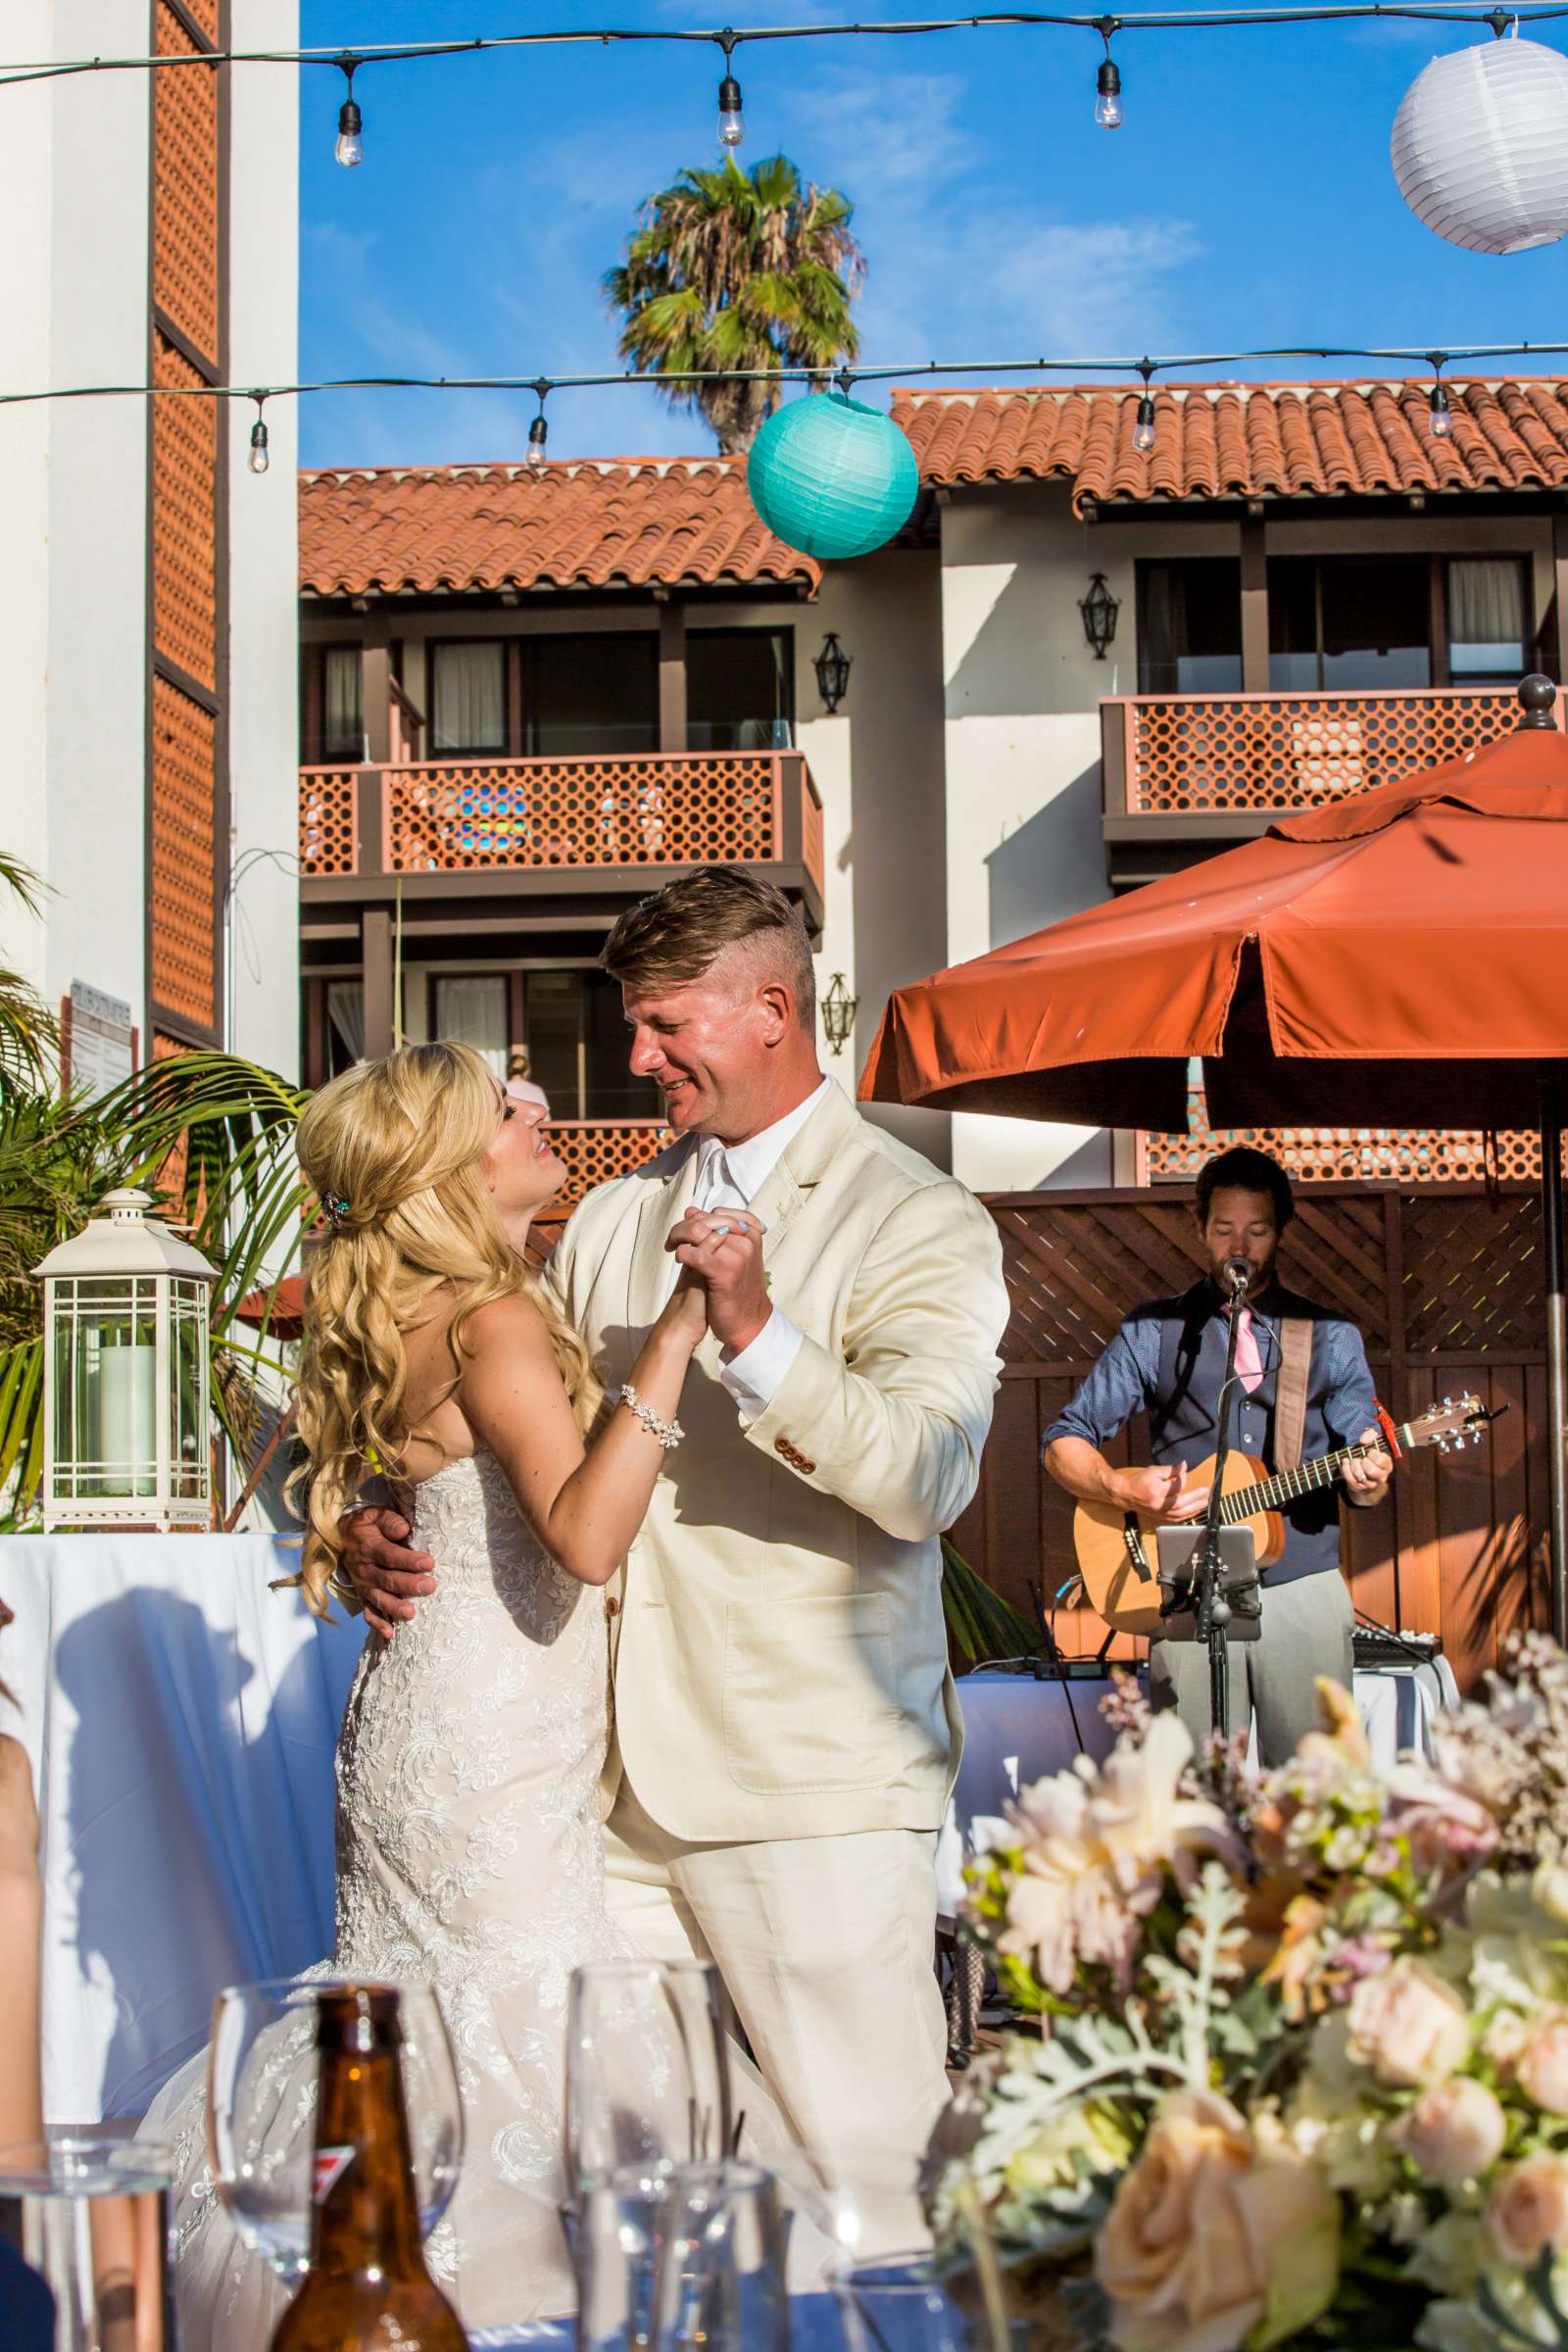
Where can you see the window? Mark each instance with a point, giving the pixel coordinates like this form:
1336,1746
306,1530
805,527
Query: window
342,719
1488,620
739,690
345,1025
591,694
1348,622
1190,626
467,698
473,1008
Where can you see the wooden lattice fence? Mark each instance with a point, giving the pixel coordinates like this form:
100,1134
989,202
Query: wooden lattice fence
1445,1284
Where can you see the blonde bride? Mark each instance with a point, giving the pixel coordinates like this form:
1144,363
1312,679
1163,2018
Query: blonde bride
469,1846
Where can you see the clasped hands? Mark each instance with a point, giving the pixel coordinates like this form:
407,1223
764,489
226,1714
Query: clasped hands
720,1252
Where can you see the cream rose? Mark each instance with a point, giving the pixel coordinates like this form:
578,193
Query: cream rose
1216,2231
1541,2066
1407,2025
1453,2133
1528,2210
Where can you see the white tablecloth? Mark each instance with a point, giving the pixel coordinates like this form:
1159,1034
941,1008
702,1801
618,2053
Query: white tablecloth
1016,1730
181,1721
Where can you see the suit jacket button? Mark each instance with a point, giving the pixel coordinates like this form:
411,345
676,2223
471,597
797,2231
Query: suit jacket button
612,1606
801,1463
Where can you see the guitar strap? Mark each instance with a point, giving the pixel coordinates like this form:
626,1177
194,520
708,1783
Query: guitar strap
1290,1391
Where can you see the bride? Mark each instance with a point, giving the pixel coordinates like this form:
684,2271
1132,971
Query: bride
469,1838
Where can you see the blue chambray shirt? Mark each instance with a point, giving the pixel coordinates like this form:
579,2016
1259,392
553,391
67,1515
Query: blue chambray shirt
1341,1403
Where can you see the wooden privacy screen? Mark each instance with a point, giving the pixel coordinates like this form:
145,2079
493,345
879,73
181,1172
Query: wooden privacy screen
1445,1288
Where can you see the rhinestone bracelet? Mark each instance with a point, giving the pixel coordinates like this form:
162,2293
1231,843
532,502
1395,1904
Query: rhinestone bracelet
668,1433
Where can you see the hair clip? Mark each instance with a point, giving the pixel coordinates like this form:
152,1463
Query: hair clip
335,1209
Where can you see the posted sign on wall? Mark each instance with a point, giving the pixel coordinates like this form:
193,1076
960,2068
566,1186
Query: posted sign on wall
102,1044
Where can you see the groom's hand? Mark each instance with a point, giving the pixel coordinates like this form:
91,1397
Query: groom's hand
385,1574
723,1248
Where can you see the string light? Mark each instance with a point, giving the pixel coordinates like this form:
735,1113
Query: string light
731,121
350,148
1350,11
1144,430
1107,83
910,373
538,434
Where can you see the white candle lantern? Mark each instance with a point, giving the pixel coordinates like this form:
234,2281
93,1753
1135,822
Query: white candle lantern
126,1374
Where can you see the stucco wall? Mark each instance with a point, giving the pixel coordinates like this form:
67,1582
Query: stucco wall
263,606
74,266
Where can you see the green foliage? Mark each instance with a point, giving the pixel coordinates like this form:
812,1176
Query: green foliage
211,1137
30,1037
981,1623
737,269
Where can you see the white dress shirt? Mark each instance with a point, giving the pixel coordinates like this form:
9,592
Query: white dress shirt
730,1176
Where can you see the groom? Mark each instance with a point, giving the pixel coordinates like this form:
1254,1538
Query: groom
786,1730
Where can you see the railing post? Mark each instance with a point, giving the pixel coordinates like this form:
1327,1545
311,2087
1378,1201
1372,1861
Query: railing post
1254,605
672,715
376,950
1113,758
369,828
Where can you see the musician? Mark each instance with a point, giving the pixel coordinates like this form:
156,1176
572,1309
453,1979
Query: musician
1168,1360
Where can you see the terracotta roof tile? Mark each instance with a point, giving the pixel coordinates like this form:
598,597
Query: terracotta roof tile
632,522
1244,440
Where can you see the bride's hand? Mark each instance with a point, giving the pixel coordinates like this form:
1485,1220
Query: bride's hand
686,1311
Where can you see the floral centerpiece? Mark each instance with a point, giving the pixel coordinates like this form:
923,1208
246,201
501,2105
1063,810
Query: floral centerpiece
1301,2071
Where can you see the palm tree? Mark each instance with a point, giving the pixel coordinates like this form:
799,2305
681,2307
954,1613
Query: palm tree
30,1037
733,270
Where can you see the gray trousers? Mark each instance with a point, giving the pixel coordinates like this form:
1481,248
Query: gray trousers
1306,1631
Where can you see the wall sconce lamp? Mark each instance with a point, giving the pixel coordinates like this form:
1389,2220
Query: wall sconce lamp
832,667
839,1009
1099,609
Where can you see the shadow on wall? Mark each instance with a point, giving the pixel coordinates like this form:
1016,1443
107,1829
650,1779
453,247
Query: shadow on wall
1051,865
1027,656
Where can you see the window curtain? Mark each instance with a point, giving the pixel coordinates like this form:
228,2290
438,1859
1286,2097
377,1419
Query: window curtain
473,1010
342,716
1487,613
468,698
345,1015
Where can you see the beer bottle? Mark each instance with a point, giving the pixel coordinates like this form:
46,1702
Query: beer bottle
367,2285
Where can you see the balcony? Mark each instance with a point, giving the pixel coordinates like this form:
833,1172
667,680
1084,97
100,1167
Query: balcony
604,827
596,1150
1186,774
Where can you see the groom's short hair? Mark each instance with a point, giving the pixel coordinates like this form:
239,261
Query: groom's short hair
671,938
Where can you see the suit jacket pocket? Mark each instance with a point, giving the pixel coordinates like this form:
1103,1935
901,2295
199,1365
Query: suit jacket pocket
809,1694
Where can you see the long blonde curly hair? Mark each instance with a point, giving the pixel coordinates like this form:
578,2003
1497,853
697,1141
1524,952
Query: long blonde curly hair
394,1151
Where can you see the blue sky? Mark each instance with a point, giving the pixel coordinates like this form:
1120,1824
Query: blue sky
1247,201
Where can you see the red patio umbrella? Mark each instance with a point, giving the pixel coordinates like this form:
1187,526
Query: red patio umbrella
1396,957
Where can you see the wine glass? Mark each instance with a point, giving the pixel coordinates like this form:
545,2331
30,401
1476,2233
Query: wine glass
261,2111
647,2068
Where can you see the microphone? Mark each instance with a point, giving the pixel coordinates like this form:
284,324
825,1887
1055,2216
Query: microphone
1237,1276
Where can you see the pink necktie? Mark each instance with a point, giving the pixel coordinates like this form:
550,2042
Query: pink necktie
1249,1362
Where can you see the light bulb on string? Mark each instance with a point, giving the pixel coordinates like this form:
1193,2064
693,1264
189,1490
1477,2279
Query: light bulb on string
731,121
350,148
258,460
538,460
1107,95
1441,420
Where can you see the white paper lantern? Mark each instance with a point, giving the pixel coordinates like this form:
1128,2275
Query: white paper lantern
1479,147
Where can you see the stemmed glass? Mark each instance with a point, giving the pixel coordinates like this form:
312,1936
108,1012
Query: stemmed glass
261,2111
647,2069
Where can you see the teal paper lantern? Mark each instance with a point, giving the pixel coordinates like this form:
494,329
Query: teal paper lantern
831,476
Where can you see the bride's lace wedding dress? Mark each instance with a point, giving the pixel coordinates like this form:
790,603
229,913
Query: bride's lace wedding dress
470,1856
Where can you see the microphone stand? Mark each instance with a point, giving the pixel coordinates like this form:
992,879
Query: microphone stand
1213,1609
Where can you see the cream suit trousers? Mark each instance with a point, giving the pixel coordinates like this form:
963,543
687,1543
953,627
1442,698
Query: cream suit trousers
826,1946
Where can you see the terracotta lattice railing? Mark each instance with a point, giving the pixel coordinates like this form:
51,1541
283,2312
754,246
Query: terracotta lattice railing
1188,754
1347,1154
596,1150
470,816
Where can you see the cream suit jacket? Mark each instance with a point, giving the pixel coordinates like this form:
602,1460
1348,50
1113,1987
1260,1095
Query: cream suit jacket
780,1658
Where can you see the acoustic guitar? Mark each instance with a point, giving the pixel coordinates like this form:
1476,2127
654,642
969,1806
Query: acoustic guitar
1115,1548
